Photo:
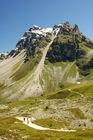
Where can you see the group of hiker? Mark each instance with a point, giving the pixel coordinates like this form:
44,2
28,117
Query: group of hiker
28,120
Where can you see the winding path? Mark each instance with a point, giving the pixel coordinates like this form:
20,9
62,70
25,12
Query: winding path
75,92
28,122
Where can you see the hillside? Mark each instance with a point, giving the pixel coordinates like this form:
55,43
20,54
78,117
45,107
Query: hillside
46,60
48,76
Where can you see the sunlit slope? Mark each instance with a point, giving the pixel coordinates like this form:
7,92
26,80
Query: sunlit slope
53,78
47,60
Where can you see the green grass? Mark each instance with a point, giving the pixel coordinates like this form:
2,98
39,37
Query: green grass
11,128
51,77
85,88
30,102
63,94
50,123
43,43
73,71
84,47
77,113
75,91
64,39
17,65
48,79
2,85
89,76
22,71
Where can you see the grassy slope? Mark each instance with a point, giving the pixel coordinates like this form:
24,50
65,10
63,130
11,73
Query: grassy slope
57,74
54,77
85,88
11,128
74,91
15,129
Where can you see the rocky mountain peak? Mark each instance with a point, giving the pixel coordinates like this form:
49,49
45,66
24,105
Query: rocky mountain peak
3,55
36,38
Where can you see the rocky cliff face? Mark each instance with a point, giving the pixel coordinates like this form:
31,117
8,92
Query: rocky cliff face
4,55
67,45
33,40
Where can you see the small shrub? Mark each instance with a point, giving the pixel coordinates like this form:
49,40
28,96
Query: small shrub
50,125
47,107
61,85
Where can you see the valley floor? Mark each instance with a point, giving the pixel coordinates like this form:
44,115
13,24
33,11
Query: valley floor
13,129
57,112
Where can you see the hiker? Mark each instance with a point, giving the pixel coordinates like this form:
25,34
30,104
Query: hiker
24,119
27,120
31,120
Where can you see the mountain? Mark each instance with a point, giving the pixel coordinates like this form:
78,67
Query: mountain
3,55
46,60
49,75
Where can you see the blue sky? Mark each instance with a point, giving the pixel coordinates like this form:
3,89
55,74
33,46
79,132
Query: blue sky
16,16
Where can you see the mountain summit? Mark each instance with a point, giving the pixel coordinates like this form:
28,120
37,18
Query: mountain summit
44,60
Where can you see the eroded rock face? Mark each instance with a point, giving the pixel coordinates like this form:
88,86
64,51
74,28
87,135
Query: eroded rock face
4,55
66,47
67,42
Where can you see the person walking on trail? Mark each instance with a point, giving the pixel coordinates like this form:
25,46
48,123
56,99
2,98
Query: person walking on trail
27,120
31,120
24,119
